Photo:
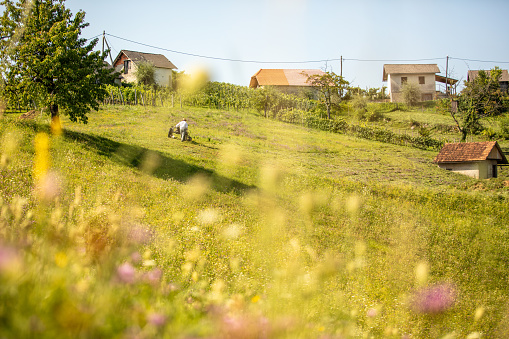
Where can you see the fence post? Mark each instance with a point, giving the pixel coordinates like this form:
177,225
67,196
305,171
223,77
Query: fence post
121,96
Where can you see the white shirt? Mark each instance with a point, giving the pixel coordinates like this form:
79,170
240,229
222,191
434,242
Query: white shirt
182,125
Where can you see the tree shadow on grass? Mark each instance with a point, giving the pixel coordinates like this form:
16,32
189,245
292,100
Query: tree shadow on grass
155,163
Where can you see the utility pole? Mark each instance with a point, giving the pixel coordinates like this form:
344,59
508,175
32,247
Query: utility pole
341,77
446,76
109,49
341,71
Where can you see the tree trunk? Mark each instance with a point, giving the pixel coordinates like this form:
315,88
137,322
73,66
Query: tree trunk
53,108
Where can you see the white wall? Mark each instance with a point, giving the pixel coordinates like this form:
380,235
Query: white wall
394,84
478,170
162,76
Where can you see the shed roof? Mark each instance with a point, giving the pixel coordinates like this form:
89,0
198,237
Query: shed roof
442,79
409,69
158,60
474,74
471,151
283,77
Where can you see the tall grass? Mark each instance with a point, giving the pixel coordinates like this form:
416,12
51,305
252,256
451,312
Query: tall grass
256,229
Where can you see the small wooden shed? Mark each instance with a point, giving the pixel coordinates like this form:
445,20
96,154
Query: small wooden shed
475,159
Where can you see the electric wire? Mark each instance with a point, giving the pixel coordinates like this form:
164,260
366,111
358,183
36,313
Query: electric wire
293,62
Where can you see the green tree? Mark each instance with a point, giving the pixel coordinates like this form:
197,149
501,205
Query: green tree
264,98
146,73
330,86
45,62
479,99
411,93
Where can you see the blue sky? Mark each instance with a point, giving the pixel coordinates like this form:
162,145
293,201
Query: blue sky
294,31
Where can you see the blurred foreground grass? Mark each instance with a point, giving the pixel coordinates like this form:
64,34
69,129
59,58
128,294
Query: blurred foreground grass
256,229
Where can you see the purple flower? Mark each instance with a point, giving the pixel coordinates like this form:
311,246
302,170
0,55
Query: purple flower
434,299
126,273
156,319
154,276
139,235
9,258
136,257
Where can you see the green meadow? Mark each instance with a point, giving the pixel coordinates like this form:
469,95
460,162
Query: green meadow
254,229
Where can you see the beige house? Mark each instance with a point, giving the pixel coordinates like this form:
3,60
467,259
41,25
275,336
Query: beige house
126,63
476,159
396,75
287,80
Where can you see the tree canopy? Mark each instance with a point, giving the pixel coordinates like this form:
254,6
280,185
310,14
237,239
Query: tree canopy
411,93
146,73
46,63
480,98
331,86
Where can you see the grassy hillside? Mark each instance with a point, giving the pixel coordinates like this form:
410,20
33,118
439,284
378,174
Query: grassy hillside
254,229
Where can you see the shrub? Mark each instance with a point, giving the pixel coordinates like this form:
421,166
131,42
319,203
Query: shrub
504,128
411,93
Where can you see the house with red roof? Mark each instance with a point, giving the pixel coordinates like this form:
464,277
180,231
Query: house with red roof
286,80
475,159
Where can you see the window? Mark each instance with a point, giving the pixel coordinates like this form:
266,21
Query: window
422,81
127,66
403,80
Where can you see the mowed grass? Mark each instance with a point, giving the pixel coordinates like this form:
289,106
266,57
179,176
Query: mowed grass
260,229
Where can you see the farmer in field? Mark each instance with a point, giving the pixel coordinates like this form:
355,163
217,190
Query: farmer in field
181,128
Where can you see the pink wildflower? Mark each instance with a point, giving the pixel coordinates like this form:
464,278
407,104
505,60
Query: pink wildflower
126,273
9,258
154,276
156,319
434,299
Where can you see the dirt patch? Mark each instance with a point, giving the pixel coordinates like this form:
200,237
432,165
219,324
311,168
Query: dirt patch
30,115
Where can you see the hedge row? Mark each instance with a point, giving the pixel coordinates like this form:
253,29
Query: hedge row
360,131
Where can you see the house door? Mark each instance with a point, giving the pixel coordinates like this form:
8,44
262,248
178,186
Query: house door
494,171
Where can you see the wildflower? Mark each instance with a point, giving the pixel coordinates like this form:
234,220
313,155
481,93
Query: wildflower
434,299
139,235
126,273
49,187
56,125
156,319
41,162
154,276
136,257
9,259
371,313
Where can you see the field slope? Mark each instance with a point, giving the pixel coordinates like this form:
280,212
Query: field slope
256,228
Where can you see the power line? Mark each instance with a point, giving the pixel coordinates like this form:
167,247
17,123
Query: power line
471,60
294,62
382,60
222,59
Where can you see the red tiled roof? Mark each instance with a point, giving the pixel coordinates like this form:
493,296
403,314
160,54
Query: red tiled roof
471,151
283,77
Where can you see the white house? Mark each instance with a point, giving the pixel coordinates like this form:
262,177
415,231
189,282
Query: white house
475,159
126,62
396,75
